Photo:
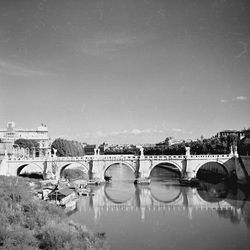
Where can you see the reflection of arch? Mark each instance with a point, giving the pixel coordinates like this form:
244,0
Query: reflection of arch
112,200
78,164
20,168
212,193
167,166
176,199
118,163
219,163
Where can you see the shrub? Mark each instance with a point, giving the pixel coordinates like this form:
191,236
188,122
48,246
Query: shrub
28,223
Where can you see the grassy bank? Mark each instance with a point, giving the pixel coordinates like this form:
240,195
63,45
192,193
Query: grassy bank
28,223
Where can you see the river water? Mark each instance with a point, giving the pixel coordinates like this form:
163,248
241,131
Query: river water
165,215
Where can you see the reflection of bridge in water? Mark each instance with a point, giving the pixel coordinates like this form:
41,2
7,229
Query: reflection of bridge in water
154,198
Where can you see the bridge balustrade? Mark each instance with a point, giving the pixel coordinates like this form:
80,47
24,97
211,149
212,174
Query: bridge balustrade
209,156
164,157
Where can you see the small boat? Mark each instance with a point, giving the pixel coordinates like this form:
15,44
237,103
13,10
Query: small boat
192,182
142,181
85,192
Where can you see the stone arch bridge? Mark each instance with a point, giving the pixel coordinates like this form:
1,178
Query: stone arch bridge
96,165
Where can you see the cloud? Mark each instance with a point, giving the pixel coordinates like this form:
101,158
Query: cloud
223,100
177,129
103,44
135,131
240,98
182,131
17,69
83,107
100,134
237,98
123,132
116,40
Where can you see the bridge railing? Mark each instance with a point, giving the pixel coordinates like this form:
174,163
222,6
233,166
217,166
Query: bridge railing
210,156
25,158
99,157
121,157
164,157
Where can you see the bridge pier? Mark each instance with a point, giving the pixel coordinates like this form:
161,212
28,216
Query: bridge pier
144,168
98,169
190,167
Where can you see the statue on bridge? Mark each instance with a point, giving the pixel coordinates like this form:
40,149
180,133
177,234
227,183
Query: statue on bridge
187,151
96,151
54,152
141,150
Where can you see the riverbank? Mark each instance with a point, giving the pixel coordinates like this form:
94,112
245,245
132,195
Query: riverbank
30,223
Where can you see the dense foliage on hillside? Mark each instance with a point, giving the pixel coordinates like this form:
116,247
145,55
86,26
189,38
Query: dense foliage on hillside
244,146
121,150
29,223
27,143
68,148
213,145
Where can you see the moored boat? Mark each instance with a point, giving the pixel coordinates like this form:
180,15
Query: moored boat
85,192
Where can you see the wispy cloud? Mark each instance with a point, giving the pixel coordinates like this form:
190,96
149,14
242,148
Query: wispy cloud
103,44
177,129
122,132
240,98
237,98
223,100
182,131
17,69
134,132
101,134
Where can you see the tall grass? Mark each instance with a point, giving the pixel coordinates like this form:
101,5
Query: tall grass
28,223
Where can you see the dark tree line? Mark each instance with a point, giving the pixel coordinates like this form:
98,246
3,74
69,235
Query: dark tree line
124,150
27,143
244,146
176,149
213,145
68,148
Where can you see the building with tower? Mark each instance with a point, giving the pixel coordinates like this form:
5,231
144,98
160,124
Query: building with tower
10,134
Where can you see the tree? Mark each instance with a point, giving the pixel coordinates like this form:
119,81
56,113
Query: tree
25,143
68,148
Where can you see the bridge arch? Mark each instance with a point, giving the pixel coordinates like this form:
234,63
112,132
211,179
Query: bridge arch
73,164
21,167
169,163
130,166
218,162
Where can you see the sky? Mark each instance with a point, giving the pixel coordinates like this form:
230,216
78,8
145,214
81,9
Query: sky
134,71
